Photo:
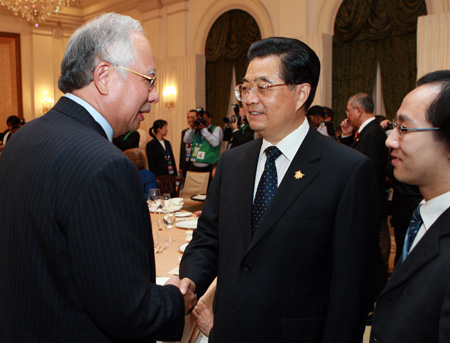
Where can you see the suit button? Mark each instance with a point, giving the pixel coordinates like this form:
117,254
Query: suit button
248,267
232,310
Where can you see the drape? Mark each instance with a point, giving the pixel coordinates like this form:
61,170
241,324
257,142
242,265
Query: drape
227,46
371,32
433,46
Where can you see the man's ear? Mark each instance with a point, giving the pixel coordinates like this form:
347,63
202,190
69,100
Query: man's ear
302,91
102,77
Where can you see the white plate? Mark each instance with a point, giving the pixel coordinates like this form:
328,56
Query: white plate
199,197
172,208
182,247
187,224
183,214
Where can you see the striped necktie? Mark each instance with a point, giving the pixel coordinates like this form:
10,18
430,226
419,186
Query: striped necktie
413,228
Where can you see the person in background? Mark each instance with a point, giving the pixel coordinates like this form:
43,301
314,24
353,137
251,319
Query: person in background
414,306
77,261
159,151
238,131
205,139
186,148
129,140
147,177
318,118
288,226
14,124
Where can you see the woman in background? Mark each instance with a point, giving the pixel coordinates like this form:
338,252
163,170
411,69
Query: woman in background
159,151
147,177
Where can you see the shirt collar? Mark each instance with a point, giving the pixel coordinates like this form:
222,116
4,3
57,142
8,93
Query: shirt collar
363,125
94,113
432,209
290,144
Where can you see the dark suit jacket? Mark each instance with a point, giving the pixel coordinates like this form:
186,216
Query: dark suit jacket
305,275
76,246
371,142
238,137
415,305
155,156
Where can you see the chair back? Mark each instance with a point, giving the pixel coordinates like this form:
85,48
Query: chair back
170,184
196,183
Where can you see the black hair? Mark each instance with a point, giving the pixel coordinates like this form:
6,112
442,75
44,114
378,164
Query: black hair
157,124
299,63
13,121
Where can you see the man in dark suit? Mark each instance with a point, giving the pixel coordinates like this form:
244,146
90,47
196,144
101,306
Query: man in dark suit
76,246
186,148
303,273
415,305
369,139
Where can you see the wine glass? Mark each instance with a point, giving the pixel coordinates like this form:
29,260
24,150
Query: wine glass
169,220
166,200
154,197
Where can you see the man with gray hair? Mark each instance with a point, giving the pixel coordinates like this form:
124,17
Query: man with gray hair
76,246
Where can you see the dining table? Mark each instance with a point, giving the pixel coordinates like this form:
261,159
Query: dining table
168,256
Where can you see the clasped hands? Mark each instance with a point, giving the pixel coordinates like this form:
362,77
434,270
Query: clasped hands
187,289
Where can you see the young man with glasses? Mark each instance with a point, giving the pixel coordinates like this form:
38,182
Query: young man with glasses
287,226
415,305
76,257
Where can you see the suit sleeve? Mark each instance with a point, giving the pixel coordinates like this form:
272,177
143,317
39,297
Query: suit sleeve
444,324
111,247
353,250
200,260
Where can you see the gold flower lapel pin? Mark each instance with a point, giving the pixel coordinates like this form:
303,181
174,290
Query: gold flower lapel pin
299,175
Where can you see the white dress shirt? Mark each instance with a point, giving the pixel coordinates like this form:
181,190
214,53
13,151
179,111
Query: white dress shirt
430,211
94,113
288,146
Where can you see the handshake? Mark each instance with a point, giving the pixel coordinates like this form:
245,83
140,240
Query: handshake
187,289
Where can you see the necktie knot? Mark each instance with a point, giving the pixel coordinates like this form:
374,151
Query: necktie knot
272,153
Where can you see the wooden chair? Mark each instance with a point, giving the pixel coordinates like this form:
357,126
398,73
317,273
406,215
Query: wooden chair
170,184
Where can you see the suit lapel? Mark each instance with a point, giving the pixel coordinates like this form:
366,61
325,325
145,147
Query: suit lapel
291,187
245,186
426,250
361,134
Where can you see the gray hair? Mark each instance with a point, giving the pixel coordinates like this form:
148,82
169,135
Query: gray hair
104,38
364,100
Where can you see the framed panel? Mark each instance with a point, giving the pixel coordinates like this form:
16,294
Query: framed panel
10,78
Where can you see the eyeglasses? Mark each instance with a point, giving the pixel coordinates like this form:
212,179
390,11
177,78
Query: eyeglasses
348,111
259,89
401,129
151,79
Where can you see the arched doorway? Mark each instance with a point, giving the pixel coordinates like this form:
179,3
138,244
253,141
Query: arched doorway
226,51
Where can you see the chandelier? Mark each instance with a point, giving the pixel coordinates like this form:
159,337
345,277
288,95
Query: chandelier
35,10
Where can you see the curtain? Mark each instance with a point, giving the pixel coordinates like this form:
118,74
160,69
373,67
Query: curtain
371,32
433,46
226,46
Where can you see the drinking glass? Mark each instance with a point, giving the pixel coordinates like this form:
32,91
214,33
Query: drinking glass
169,220
154,197
166,201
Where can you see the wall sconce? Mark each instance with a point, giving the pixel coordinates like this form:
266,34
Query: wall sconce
47,103
170,97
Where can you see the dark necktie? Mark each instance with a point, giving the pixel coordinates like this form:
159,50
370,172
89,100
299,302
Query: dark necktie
413,228
267,187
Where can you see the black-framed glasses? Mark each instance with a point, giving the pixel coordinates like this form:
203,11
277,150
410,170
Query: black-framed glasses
401,129
151,79
348,111
259,89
